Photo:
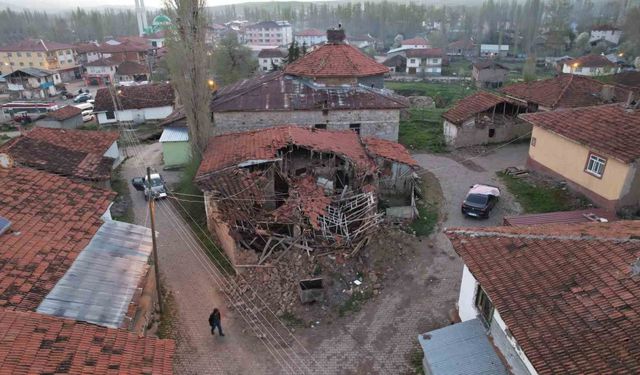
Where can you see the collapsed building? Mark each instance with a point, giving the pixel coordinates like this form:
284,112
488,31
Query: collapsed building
314,190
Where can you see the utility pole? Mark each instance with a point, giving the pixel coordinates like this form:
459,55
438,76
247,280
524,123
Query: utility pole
156,266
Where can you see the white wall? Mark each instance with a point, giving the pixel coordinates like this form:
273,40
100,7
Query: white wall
310,40
612,36
114,152
137,115
588,71
466,300
450,132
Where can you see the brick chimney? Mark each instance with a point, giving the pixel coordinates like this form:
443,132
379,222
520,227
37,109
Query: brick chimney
336,36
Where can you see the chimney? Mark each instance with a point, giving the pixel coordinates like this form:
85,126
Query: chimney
607,93
336,36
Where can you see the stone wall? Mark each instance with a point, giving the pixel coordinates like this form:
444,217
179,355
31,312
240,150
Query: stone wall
470,134
377,123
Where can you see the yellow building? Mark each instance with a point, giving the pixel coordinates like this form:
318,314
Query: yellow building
595,149
38,53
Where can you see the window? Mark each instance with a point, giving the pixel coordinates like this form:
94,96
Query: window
355,127
69,61
484,305
578,69
320,126
60,53
39,54
492,133
595,165
21,64
413,61
28,54
30,64
533,141
19,54
110,115
9,54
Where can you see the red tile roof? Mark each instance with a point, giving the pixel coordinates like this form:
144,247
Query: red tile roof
591,61
86,47
336,60
231,149
35,45
461,44
272,52
417,41
102,62
564,91
425,52
90,141
64,113
131,68
388,150
31,343
136,97
53,218
305,199
471,105
610,129
566,292
311,32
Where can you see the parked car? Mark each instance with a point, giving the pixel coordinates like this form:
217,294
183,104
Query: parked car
480,200
158,186
87,116
81,98
66,94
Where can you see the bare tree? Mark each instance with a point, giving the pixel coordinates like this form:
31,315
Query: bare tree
188,66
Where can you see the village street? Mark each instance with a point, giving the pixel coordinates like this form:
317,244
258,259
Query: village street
376,340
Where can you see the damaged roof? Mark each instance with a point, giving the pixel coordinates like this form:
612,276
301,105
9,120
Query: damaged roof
52,219
279,92
388,150
565,91
569,294
472,105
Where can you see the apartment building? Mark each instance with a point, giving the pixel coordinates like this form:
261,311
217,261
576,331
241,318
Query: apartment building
41,54
269,33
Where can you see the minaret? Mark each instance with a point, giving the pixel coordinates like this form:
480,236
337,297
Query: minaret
141,16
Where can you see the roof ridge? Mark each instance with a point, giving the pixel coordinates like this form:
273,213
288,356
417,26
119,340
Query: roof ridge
472,233
564,90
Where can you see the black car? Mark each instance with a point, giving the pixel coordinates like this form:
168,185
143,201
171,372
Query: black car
480,201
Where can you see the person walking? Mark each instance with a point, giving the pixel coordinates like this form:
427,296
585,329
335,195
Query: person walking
214,321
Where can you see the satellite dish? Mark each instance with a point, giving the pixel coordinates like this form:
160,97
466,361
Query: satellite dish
6,161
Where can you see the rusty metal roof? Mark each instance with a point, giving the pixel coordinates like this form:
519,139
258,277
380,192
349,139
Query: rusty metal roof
564,217
280,92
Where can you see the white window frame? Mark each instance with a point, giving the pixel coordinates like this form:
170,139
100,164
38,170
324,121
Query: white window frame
596,165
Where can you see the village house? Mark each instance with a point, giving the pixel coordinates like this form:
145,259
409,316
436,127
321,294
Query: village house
32,82
87,156
483,118
361,41
131,71
396,64
462,48
489,74
125,51
67,117
494,50
214,32
424,61
304,188
608,33
310,37
565,91
41,54
338,63
136,104
176,149
541,300
100,72
409,44
269,34
277,98
590,65
77,279
270,59
87,52
594,149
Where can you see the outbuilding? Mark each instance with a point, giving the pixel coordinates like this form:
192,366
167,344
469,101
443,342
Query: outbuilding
136,104
176,149
67,117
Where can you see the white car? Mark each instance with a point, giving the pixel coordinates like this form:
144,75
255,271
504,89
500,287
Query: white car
87,117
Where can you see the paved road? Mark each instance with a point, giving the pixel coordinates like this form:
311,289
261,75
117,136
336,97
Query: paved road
456,177
190,277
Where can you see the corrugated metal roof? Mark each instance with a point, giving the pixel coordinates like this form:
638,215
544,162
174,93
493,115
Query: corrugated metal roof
171,134
564,217
460,349
101,282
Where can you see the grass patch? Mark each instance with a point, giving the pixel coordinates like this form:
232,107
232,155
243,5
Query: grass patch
443,94
355,302
120,186
92,126
426,223
291,320
196,215
537,199
423,130
460,68
169,316
415,360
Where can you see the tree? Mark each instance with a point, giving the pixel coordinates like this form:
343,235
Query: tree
631,32
188,66
581,43
529,69
232,61
293,52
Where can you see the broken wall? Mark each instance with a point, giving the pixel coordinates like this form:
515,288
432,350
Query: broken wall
373,122
216,224
474,132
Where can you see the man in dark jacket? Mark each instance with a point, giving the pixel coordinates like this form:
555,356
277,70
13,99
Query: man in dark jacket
214,321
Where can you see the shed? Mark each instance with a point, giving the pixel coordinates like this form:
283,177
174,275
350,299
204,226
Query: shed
462,348
176,150
67,117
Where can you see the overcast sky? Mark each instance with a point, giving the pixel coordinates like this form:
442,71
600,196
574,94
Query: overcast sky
48,4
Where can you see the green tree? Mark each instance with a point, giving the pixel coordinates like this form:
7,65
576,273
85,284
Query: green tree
529,69
232,61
